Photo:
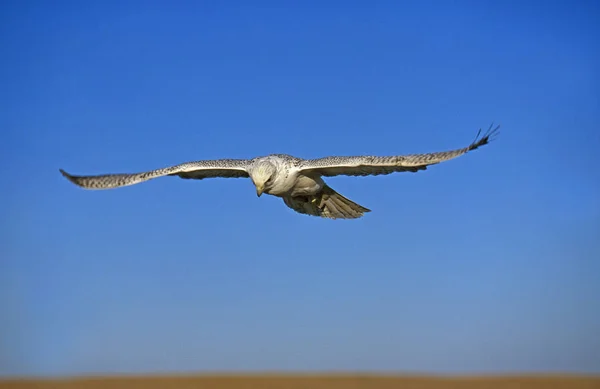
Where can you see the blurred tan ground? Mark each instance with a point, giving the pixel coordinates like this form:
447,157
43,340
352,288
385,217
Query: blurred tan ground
307,382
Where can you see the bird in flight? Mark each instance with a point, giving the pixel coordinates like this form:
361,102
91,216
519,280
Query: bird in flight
299,182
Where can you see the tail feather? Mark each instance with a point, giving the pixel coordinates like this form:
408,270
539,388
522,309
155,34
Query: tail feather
327,204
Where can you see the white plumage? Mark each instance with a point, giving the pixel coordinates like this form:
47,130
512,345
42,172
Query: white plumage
297,181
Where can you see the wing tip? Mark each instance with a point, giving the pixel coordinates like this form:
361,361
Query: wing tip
489,136
65,174
70,177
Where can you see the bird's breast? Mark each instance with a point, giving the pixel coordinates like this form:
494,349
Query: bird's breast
306,186
281,186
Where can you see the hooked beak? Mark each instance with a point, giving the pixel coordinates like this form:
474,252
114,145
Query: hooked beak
259,190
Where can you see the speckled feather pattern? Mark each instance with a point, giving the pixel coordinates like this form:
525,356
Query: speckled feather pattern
291,175
227,168
373,165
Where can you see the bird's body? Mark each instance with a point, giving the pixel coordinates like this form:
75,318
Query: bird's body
288,179
299,182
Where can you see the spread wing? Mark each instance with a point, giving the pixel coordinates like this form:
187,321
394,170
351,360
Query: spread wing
371,165
224,168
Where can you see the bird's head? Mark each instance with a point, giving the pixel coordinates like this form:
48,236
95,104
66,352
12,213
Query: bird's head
262,176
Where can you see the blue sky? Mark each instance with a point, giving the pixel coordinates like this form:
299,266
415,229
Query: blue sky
487,263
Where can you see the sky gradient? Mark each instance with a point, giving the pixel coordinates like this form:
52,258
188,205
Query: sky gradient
487,263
